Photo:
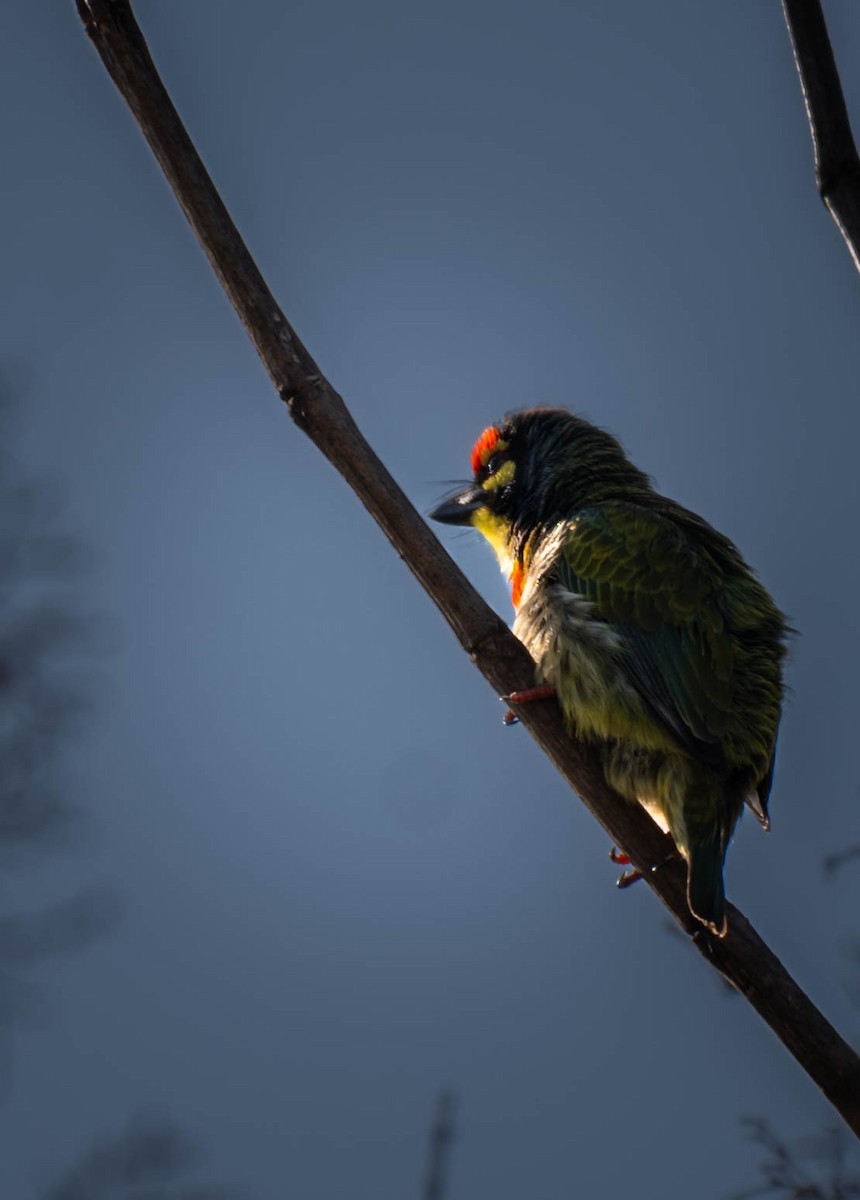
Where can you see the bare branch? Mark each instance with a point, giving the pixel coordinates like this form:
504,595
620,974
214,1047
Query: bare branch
742,957
837,165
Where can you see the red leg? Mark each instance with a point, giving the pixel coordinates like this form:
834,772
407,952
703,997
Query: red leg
626,878
528,696
543,691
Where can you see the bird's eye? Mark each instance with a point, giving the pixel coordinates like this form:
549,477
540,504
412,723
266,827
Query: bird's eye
494,462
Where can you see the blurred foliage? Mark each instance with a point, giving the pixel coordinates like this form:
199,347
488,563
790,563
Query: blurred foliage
442,1134
839,858
832,865
825,1166
46,646
822,1167
145,1162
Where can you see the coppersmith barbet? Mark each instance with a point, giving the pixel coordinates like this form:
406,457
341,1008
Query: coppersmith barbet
662,646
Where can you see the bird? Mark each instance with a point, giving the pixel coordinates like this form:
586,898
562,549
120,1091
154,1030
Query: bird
662,647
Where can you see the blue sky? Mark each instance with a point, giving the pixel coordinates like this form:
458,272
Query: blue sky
345,883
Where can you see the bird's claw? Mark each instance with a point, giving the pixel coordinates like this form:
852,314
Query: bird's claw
627,878
543,691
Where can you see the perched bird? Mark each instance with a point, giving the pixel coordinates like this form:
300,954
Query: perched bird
662,646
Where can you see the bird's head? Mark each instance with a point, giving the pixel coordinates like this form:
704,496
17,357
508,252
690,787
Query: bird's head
533,469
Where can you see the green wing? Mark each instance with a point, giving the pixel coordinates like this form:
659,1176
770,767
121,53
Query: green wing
661,591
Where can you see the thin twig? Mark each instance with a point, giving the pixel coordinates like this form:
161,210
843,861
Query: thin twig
742,957
835,861
439,1148
837,165
784,1172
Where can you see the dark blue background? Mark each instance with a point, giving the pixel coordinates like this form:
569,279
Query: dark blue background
346,884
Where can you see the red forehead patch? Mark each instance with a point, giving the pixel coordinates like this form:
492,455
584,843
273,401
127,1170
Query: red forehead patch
483,448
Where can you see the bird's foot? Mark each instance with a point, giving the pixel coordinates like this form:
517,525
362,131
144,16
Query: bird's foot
627,878
528,696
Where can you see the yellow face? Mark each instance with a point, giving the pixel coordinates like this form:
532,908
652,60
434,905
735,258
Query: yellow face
497,530
484,504
502,477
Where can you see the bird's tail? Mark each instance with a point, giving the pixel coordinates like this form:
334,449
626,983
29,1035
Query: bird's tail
705,893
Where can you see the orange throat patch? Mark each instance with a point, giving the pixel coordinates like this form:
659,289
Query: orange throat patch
517,578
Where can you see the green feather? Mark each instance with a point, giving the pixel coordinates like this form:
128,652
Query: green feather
705,893
659,592
663,647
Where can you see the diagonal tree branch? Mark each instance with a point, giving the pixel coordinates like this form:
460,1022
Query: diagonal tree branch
837,165
742,957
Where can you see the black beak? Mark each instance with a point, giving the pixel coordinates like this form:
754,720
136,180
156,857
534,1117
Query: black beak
458,509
